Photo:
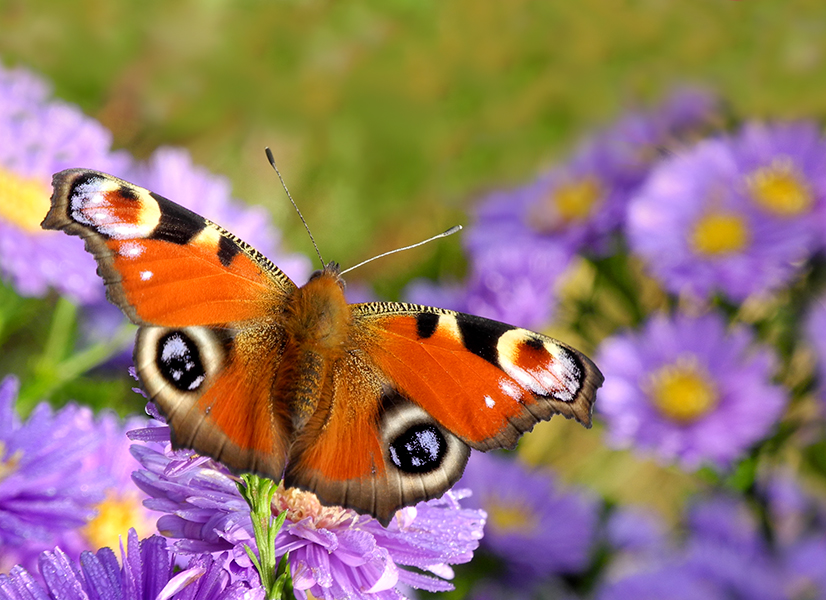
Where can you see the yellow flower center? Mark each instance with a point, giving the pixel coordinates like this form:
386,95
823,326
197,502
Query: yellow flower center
23,201
683,391
780,189
300,504
567,203
510,517
115,515
719,233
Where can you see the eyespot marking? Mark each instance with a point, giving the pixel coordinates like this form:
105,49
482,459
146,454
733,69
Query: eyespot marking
419,449
111,209
179,361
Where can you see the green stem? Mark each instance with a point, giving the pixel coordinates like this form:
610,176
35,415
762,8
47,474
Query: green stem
275,577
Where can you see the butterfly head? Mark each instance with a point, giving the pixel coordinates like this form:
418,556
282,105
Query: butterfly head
331,270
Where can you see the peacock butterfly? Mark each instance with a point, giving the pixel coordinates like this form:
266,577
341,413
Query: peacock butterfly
371,406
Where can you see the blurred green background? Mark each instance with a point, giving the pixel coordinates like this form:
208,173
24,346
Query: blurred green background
388,119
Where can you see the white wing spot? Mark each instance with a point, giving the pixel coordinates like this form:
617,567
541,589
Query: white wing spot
489,402
131,250
146,275
510,389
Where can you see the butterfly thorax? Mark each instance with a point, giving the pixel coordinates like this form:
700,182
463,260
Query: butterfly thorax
317,325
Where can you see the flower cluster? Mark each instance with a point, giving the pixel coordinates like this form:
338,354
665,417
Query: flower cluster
334,552
698,277
64,481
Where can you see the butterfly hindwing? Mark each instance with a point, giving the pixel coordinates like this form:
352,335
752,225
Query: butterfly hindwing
371,449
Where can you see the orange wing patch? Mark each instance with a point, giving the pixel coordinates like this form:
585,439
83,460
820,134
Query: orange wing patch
176,286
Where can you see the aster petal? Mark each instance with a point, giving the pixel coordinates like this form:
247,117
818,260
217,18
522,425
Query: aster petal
61,576
20,585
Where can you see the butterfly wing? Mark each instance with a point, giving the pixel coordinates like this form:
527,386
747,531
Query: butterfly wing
207,305
419,389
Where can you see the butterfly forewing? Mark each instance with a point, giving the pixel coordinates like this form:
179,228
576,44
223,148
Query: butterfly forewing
163,264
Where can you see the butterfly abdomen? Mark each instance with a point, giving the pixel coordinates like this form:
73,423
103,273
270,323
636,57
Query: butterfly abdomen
318,322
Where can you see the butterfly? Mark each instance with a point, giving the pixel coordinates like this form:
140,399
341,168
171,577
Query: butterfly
371,406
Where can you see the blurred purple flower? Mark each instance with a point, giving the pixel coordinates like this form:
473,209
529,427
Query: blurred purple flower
38,137
146,571
805,568
688,390
45,488
724,556
736,216
535,525
511,283
724,547
633,529
523,239
815,332
65,480
672,581
334,552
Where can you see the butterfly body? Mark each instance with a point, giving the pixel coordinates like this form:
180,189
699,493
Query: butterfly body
373,406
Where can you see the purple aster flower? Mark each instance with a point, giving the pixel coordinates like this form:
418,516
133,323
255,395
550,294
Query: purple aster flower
146,571
638,542
512,283
815,331
65,481
725,548
797,521
671,581
633,529
122,506
724,556
171,173
334,552
736,216
580,203
45,487
688,390
805,568
535,525
39,136
529,235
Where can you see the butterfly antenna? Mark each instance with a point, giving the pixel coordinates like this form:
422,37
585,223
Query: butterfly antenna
450,231
271,158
